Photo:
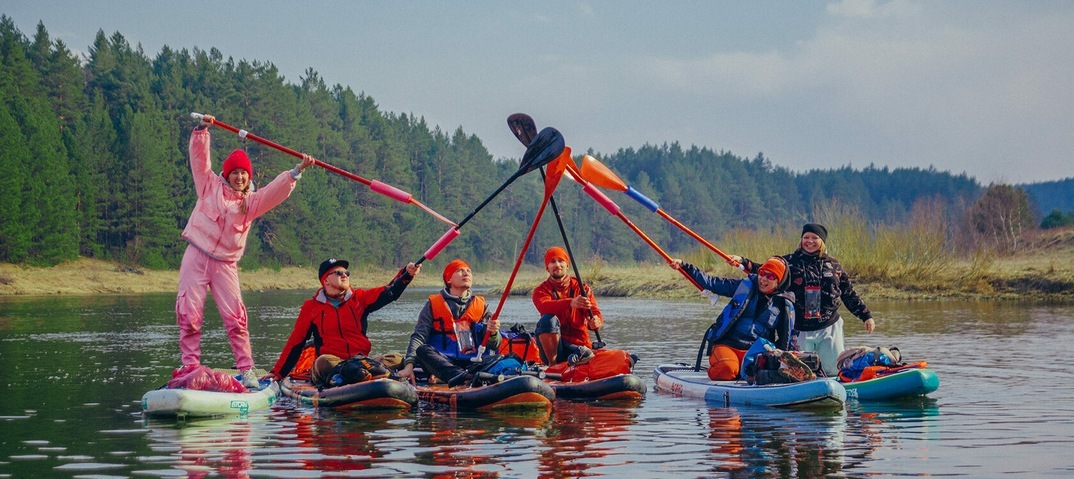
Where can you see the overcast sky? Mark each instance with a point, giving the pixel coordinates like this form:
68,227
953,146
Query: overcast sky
976,87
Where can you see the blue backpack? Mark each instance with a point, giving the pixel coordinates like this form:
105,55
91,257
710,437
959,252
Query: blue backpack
508,366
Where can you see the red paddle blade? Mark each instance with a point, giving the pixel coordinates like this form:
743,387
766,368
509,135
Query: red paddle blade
555,170
600,175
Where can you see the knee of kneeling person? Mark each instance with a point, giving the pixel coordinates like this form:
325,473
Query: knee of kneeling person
723,365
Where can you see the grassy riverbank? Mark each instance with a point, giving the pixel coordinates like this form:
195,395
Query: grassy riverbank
1042,270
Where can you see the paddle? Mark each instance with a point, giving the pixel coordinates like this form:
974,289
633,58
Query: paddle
599,343
600,175
556,169
613,208
523,126
545,147
377,187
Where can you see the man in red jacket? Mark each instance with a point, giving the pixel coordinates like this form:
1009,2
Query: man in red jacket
336,317
568,313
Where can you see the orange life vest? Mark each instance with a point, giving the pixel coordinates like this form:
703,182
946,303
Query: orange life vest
443,336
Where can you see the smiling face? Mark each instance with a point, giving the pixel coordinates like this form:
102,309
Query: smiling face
239,179
767,282
811,243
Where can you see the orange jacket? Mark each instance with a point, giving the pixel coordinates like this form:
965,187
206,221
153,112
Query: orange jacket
550,298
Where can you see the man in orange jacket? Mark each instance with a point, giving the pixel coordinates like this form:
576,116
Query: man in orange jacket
568,313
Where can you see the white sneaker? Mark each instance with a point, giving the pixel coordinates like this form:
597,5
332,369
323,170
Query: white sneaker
249,379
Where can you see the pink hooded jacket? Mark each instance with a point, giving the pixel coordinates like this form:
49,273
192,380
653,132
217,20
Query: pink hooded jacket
217,225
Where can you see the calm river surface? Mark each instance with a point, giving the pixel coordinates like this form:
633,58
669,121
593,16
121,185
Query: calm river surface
73,370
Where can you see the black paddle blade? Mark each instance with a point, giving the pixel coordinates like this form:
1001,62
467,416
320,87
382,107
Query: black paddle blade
545,147
523,127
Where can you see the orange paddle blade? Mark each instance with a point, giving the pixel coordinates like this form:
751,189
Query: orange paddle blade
600,175
555,170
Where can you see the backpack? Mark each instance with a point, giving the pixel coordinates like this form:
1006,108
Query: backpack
508,366
356,369
605,364
861,363
764,364
203,378
520,343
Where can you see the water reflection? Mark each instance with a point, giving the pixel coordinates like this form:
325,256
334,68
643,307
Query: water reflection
475,444
585,439
74,369
755,442
215,447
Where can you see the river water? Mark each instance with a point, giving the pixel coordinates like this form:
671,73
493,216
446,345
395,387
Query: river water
73,370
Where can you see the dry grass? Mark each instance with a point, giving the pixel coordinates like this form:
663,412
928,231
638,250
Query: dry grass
895,265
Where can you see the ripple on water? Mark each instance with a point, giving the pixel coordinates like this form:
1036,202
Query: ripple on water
87,466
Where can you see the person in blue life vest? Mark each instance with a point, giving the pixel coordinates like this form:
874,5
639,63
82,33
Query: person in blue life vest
759,308
450,327
820,285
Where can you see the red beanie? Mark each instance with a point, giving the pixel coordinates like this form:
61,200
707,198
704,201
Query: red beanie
237,160
776,266
555,252
451,268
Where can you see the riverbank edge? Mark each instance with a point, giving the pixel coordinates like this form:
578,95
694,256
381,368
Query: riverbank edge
93,277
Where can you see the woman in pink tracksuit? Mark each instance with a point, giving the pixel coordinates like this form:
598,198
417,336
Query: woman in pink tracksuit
216,236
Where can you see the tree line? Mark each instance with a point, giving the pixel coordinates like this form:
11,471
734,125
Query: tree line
93,155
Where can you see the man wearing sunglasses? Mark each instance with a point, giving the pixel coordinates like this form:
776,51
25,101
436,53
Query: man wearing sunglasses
759,308
336,317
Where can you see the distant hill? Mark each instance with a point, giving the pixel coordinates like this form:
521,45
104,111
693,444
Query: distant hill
1052,195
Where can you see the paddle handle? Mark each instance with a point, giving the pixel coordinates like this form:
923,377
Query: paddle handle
439,245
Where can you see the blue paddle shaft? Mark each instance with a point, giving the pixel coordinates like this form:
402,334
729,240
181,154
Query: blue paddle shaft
640,198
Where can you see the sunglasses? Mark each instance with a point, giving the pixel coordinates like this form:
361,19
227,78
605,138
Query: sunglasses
769,276
342,274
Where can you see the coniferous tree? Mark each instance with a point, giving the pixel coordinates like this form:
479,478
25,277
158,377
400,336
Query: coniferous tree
15,237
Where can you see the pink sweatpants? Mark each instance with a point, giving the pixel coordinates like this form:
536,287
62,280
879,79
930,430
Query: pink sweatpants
198,273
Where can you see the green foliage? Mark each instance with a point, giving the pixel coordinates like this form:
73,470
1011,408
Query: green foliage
94,161
1057,219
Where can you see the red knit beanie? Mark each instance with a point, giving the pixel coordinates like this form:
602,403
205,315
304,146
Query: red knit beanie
237,160
451,268
555,252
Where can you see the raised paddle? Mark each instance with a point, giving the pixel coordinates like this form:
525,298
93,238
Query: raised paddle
524,128
522,125
599,344
614,209
377,187
555,172
545,147
600,175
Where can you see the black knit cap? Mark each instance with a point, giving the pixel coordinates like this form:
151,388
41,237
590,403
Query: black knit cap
329,264
817,229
